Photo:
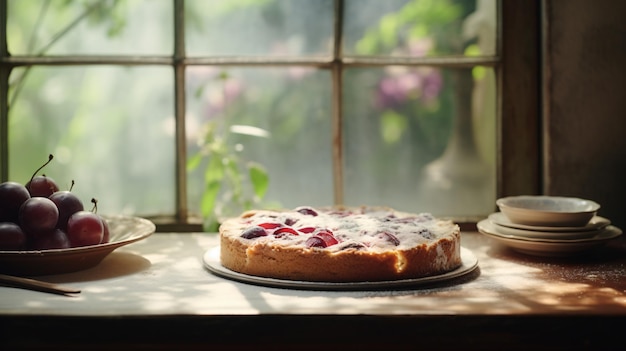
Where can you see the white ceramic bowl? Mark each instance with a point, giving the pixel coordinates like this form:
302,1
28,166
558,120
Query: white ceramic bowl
555,211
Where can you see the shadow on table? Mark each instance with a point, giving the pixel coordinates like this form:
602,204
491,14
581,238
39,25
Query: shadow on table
588,281
115,265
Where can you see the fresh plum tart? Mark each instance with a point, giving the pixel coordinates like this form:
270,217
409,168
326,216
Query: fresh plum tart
339,244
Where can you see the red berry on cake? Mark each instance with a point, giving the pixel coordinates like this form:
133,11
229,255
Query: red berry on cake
307,211
306,230
284,231
339,244
270,225
324,238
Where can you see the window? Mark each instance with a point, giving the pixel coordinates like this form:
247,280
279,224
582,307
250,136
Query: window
188,111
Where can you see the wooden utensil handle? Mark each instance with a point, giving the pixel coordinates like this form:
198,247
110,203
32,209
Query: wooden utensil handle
38,285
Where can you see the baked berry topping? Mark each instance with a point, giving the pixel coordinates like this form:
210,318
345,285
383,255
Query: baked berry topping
253,232
284,231
341,214
270,225
355,246
315,241
391,238
290,221
405,220
306,230
424,217
307,211
328,236
324,238
426,233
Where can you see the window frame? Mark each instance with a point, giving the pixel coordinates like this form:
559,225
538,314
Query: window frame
518,94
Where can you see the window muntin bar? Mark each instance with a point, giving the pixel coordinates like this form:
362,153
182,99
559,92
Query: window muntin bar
180,62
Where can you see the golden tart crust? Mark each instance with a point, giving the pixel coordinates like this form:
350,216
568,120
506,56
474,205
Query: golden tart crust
368,244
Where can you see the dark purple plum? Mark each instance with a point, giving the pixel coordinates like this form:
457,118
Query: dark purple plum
68,204
85,228
305,210
38,214
11,237
324,238
269,225
253,232
53,239
284,231
315,241
12,196
42,186
390,238
106,233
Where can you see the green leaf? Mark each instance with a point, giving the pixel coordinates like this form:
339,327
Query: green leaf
230,165
418,31
479,72
194,161
214,170
367,45
389,30
259,179
233,174
199,91
211,225
223,75
472,50
209,196
392,126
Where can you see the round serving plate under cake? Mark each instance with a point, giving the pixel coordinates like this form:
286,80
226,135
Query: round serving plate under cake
212,263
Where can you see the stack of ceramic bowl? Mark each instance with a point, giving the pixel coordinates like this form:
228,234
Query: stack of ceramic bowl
548,225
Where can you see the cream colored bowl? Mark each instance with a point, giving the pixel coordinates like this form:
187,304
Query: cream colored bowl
555,211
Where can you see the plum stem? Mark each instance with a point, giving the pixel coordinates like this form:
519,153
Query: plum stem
95,205
50,157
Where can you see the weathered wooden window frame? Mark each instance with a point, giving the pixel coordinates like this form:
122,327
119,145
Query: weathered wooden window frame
516,62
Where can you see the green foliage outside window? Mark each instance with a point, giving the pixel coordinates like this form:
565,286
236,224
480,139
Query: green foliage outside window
412,105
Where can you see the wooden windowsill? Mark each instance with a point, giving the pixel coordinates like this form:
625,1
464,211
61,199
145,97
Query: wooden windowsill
156,293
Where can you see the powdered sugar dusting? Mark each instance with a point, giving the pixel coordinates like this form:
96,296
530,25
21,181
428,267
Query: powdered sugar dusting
362,228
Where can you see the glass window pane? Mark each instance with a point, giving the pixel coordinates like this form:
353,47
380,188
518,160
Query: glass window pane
275,119
272,28
110,130
62,27
421,139
420,28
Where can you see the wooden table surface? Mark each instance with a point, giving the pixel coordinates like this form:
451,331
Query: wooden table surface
157,294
